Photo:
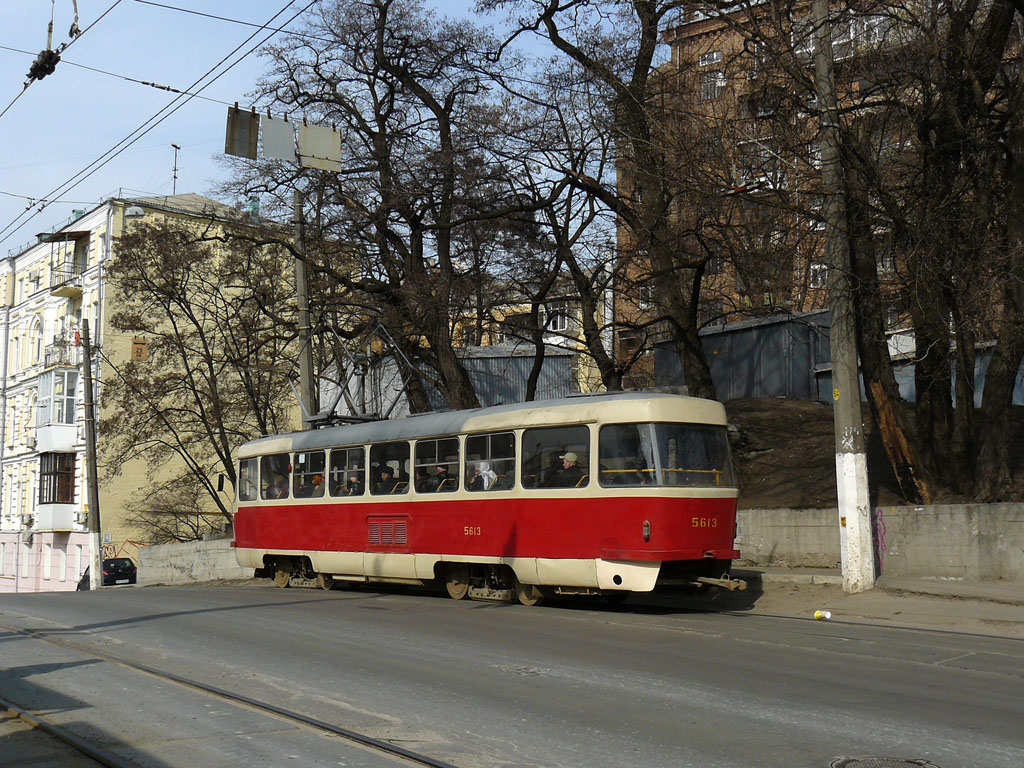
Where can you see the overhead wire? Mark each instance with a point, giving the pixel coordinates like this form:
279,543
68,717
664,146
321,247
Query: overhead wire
231,20
151,84
152,122
76,34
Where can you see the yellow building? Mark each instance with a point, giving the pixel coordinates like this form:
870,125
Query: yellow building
50,288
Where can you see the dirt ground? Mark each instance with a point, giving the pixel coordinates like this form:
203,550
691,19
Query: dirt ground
785,454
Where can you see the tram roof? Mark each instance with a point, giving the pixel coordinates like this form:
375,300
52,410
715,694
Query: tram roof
580,409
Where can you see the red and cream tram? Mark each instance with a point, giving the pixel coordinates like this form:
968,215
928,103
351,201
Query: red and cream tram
600,494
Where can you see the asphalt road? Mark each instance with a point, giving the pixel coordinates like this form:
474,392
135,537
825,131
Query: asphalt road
480,684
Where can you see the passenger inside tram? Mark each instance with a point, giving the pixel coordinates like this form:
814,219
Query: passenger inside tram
387,482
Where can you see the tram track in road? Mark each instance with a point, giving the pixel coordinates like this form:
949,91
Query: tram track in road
400,755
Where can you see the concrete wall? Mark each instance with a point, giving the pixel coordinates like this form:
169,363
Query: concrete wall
789,538
189,562
955,541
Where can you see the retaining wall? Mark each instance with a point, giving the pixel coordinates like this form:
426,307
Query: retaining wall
191,561
949,541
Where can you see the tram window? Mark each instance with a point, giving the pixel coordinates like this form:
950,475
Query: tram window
625,455
308,473
556,457
247,484
694,455
491,461
348,471
274,471
437,465
389,468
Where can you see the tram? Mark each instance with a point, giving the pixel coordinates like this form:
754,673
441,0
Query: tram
602,494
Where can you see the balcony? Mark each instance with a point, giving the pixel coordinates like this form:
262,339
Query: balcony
56,438
65,282
62,353
55,517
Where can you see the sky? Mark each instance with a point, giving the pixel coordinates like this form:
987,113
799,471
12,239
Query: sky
62,124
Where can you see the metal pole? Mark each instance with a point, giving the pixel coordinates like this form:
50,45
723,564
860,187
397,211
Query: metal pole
851,459
174,184
307,391
93,489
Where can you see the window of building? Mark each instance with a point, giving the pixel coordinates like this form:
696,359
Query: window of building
802,32
708,59
645,296
555,316
876,28
629,345
819,276
437,465
548,450
35,335
712,85
759,53
491,461
348,471
57,397
57,478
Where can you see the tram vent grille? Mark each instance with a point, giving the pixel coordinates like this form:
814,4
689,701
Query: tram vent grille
388,533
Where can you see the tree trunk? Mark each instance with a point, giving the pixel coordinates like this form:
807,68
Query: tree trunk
872,346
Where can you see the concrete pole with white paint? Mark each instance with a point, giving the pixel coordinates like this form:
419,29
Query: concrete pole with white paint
856,549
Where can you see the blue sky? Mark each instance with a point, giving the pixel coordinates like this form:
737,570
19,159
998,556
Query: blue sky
64,122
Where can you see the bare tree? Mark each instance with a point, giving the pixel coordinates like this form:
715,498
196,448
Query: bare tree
219,359
614,47
398,228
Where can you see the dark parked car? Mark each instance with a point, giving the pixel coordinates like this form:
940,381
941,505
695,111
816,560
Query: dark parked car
116,570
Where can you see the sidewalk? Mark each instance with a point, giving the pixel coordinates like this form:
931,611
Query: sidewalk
982,607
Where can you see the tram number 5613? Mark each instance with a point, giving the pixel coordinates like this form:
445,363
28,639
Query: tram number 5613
705,522
471,530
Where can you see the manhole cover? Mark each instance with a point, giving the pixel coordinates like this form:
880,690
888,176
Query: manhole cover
880,762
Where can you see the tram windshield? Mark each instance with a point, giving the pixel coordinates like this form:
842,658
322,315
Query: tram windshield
685,455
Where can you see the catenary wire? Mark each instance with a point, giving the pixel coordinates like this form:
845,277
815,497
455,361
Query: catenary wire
149,83
152,122
61,49
231,20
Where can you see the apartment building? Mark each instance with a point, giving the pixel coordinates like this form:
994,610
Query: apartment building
49,288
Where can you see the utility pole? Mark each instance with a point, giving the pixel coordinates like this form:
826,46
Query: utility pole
307,390
96,568
851,458
174,182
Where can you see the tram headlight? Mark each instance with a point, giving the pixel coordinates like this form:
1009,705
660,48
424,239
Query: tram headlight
647,530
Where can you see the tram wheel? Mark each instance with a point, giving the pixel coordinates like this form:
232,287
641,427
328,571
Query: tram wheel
325,581
528,594
283,573
617,597
456,580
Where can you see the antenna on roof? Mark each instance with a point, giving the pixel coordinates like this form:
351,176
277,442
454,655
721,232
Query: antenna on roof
174,182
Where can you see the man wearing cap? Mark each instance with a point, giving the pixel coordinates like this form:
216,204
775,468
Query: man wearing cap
571,473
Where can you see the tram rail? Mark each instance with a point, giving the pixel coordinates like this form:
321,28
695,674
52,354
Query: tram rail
401,755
